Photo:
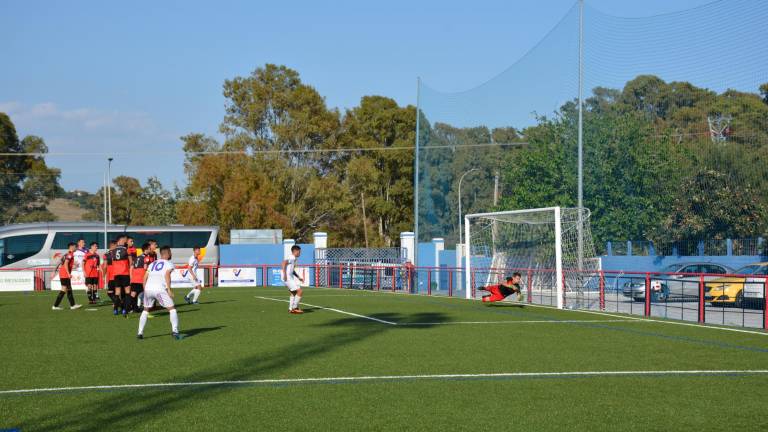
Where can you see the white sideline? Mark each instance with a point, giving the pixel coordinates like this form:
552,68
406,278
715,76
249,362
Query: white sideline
331,380
628,317
333,310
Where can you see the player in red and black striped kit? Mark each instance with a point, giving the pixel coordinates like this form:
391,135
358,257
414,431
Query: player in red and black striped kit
65,277
91,266
502,291
121,267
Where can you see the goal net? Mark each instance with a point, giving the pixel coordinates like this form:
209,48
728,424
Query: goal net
551,248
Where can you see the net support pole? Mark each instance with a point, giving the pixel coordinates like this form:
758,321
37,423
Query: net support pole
580,227
467,260
416,173
559,259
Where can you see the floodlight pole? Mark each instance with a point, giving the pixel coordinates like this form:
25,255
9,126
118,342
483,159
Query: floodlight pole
416,174
109,187
105,212
580,204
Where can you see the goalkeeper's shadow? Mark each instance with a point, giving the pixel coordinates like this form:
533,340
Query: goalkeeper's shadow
506,305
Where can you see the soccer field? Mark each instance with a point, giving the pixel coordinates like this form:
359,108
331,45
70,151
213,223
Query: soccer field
372,361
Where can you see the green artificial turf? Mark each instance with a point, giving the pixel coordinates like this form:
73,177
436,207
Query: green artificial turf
235,336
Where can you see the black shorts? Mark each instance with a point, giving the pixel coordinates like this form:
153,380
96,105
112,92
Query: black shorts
66,283
92,281
122,281
137,287
111,286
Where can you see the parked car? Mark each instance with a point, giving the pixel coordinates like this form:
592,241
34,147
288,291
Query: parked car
675,286
739,291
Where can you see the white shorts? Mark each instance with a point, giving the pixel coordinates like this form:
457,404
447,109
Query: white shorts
198,283
161,296
292,284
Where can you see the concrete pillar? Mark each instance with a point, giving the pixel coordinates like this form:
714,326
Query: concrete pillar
287,245
320,239
408,242
458,276
439,245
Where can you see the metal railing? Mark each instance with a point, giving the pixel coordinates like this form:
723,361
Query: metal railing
722,299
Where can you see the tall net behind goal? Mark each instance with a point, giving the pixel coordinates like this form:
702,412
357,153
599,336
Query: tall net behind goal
544,246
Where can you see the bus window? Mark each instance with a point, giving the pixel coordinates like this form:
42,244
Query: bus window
139,238
63,238
13,249
190,239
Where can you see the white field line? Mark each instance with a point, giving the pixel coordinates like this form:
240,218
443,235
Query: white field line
358,379
629,317
333,310
518,322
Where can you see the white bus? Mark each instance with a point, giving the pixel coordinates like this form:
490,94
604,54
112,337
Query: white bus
33,245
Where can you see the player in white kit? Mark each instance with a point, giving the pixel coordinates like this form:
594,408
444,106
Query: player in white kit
292,279
157,288
194,262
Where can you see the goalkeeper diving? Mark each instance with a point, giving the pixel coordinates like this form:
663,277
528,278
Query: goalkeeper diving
503,290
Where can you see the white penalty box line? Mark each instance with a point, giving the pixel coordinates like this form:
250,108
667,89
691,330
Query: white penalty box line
363,379
552,321
333,310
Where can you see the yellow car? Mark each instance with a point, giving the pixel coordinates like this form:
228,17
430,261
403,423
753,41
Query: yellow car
740,291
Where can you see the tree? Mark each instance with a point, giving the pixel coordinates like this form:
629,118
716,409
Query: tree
134,204
274,169
27,184
381,177
715,207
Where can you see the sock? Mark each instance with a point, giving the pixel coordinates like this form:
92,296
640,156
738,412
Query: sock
291,303
71,298
111,296
122,299
195,294
296,302
58,298
174,320
189,294
143,321
116,301
139,299
127,304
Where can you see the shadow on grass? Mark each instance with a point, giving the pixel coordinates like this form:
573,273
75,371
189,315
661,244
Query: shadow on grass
142,408
189,333
216,301
506,305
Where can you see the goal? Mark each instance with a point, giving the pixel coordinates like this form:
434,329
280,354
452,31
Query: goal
552,249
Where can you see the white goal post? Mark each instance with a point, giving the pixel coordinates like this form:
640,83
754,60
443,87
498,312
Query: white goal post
552,247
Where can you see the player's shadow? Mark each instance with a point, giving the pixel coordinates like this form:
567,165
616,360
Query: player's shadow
180,309
200,330
216,301
394,320
150,406
188,333
506,305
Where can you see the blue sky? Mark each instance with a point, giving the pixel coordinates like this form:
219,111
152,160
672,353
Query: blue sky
95,76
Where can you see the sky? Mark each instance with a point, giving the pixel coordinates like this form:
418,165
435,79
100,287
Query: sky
130,78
